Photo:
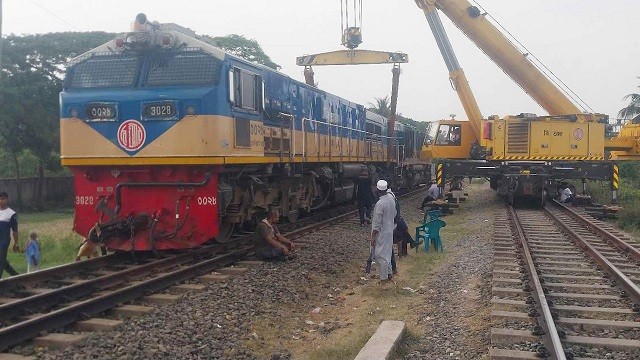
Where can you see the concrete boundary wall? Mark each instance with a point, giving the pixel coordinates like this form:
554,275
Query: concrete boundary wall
57,192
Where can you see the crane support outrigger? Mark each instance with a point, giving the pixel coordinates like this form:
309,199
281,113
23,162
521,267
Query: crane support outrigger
522,155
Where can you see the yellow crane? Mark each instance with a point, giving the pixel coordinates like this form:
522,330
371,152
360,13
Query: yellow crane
525,154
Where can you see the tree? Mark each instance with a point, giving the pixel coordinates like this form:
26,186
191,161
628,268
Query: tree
32,79
381,107
631,111
0,42
245,48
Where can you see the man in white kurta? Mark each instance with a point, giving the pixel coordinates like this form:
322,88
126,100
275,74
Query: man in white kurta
382,230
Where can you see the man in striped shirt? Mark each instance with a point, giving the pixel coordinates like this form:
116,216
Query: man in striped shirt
8,225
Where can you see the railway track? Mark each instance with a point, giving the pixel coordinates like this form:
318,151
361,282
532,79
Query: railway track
54,298
564,287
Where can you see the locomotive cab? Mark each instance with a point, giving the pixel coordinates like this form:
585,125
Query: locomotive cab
449,139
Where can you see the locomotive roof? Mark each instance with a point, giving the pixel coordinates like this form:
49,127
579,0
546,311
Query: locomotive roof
185,37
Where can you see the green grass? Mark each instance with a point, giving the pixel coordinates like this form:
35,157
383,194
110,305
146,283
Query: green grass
628,199
58,242
342,350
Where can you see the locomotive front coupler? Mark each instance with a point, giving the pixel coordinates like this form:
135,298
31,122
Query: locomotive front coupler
120,228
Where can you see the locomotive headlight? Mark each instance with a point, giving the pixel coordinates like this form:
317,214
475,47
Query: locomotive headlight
119,43
73,112
191,110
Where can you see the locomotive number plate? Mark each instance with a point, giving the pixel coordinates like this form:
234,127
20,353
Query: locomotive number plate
159,110
100,111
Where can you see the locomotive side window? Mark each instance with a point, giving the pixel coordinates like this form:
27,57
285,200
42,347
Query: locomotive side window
247,90
318,109
243,135
369,129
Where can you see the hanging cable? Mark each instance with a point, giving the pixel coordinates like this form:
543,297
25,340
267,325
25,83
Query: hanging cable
360,17
346,12
341,17
540,65
355,14
56,16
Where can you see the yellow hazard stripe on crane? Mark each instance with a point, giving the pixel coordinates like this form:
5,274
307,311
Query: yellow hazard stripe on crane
439,175
615,180
547,158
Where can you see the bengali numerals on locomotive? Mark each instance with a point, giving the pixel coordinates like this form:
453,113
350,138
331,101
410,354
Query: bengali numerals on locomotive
207,200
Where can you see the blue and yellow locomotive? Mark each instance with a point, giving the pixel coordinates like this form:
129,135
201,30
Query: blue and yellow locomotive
173,142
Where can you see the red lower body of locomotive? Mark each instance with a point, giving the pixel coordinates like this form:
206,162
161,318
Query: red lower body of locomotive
146,208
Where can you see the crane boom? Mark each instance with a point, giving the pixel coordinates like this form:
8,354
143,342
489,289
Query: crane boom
514,63
456,74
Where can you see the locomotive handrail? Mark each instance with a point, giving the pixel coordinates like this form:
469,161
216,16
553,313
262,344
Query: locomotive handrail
367,136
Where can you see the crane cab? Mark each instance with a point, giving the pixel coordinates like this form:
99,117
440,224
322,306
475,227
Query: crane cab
447,139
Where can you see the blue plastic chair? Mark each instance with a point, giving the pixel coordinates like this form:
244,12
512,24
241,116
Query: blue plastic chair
430,234
433,215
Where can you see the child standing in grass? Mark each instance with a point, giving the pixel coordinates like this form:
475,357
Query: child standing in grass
32,253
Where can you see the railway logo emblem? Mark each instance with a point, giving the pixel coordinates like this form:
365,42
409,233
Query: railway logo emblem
578,134
131,135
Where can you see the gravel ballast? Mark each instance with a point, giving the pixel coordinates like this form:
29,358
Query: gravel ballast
227,320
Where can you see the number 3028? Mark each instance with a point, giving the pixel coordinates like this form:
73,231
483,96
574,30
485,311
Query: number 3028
84,200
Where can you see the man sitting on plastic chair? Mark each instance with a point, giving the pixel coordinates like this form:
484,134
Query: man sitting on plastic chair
430,233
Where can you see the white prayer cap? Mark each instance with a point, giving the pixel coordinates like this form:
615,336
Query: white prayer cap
382,185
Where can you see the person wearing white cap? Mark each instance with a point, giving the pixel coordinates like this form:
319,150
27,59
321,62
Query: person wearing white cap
382,230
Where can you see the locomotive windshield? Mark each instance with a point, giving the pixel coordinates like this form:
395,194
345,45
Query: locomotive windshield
184,67
104,70
193,67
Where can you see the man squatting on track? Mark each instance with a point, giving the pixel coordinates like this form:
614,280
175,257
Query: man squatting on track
269,244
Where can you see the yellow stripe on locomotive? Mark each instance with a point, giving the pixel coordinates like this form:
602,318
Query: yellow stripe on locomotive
211,139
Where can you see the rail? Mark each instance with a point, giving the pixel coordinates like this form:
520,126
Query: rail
622,245
578,283
82,299
633,291
551,334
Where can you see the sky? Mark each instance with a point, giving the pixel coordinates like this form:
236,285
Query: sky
592,46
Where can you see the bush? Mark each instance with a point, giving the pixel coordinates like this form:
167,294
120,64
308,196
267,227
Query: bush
628,195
